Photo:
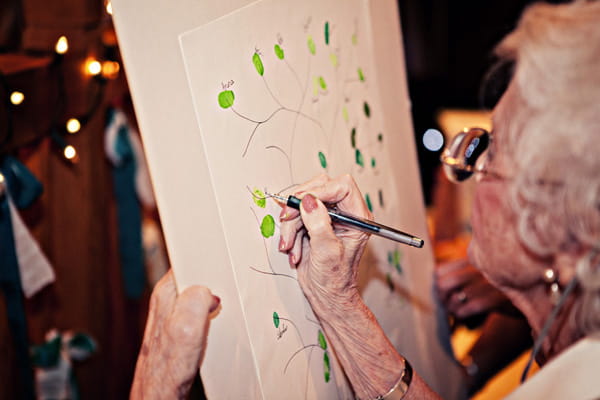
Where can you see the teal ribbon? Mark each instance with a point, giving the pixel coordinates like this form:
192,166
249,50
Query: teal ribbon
23,189
129,215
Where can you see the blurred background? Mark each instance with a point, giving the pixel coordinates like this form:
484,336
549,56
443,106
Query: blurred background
81,228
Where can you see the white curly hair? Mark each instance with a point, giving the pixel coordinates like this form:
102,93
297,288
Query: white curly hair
553,137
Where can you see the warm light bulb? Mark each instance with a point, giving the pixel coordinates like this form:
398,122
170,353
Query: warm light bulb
110,69
94,67
17,98
62,45
70,153
73,125
109,7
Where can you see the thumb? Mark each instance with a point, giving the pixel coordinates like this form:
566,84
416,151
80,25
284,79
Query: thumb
317,223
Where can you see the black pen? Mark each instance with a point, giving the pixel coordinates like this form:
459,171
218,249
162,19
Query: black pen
361,224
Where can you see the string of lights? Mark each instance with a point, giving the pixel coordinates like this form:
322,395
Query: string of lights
62,126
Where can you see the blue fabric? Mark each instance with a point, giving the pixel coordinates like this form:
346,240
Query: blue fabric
129,217
24,188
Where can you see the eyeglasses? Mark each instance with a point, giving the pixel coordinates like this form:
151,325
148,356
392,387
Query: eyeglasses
463,157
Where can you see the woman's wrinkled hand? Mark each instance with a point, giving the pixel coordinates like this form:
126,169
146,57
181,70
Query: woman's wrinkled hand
174,340
326,256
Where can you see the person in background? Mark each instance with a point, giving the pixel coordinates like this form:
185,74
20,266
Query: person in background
536,217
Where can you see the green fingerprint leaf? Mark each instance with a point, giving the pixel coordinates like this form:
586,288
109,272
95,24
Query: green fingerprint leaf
373,162
326,32
326,367
311,45
267,227
226,98
380,137
322,341
388,279
361,76
390,257
353,138
322,83
322,159
368,201
345,114
397,261
354,39
334,59
359,158
381,198
367,110
258,64
279,52
275,319
259,198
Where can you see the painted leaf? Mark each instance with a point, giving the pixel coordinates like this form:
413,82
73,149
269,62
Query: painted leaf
367,110
353,138
345,114
322,159
398,261
373,162
279,52
322,83
258,64
226,98
368,201
326,32
390,283
311,45
334,59
326,367
390,257
267,227
380,137
259,198
322,341
381,197
359,158
354,39
275,319
361,76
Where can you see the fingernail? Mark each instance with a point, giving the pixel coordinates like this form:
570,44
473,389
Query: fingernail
309,203
215,304
283,214
281,244
292,258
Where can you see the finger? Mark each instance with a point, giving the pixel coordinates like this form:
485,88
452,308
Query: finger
450,266
288,231
296,252
187,326
162,301
452,281
324,245
344,192
288,213
482,298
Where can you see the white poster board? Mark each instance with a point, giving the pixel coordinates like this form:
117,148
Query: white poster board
234,99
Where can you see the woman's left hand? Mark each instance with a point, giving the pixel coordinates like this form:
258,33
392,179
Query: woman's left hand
174,340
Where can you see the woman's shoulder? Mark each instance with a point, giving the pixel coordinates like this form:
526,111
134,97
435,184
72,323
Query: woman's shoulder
573,374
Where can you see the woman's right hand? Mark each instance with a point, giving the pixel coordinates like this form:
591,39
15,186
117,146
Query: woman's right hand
326,256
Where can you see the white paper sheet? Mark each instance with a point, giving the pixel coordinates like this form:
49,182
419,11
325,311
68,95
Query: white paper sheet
282,91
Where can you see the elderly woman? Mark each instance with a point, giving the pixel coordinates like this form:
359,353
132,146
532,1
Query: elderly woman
536,231
536,216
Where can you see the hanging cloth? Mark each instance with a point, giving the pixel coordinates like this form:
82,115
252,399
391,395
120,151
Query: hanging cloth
119,149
